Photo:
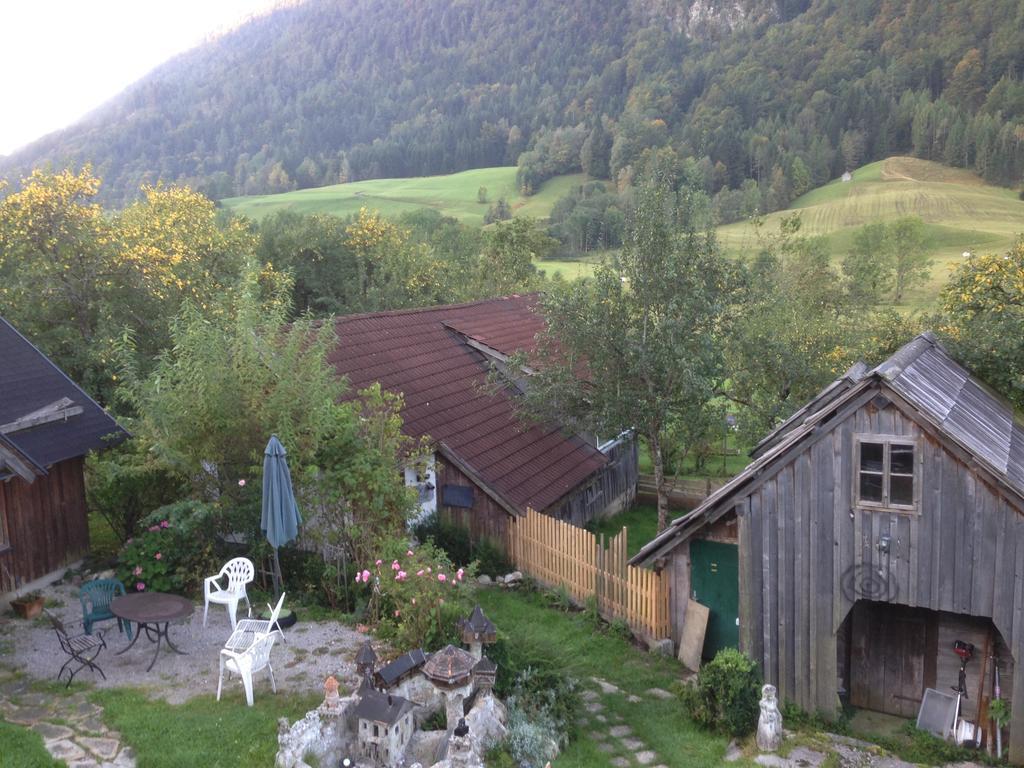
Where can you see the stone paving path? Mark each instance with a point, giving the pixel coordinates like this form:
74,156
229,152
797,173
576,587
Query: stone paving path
70,725
606,729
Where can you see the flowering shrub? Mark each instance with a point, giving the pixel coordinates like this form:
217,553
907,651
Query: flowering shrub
417,595
172,553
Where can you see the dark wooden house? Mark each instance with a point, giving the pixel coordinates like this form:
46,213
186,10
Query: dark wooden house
489,464
875,527
47,426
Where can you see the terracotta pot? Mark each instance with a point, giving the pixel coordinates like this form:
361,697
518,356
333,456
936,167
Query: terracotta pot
28,608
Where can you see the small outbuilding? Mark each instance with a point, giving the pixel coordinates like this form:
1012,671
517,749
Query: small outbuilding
47,426
878,525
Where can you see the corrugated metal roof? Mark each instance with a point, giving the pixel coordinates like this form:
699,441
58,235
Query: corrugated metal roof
922,372
30,381
424,354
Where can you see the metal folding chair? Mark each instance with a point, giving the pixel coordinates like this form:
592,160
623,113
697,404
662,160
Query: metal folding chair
81,649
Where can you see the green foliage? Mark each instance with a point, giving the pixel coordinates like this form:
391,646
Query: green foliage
125,484
725,696
560,599
499,211
999,711
796,329
543,705
417,595
174,553
648,321
921,747
983,319
589,218
231,381
455,540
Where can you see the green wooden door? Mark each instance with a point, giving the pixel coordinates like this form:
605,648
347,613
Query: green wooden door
715,582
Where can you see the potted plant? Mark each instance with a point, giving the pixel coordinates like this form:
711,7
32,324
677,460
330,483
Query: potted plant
29,605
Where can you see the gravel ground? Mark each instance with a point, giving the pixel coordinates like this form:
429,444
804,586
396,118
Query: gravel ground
311,651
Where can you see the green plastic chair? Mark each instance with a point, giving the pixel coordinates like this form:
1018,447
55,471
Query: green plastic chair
96,597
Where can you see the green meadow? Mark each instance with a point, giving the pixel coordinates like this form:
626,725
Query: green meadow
453,195
961,213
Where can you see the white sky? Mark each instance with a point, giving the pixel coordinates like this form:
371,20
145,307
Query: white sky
59,59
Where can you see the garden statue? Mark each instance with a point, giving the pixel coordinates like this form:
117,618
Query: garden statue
769,724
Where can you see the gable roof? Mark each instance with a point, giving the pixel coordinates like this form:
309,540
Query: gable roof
30,384
943,393
426,355
381,707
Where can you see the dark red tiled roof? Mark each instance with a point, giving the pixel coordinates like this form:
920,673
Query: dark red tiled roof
423,354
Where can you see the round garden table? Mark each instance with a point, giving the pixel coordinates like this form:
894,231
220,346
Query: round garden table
153,612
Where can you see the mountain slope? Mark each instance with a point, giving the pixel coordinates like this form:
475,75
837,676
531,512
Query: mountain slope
781,93
961,213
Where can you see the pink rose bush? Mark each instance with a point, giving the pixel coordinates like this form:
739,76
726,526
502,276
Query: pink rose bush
417,597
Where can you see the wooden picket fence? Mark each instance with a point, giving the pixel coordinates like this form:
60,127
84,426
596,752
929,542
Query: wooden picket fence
558,554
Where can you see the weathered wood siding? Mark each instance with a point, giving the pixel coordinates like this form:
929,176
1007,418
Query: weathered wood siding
485,520
807,553
46,523
609,492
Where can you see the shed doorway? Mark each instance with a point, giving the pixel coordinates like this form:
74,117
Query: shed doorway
888,654
714,574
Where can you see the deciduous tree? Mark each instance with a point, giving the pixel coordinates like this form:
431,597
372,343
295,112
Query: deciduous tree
642,333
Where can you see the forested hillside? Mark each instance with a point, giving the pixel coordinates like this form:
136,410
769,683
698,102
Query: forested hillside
760,100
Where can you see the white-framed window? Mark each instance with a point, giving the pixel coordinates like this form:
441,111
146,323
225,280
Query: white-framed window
886,472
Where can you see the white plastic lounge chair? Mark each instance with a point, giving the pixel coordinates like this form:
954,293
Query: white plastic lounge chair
247,629
247,663
228,587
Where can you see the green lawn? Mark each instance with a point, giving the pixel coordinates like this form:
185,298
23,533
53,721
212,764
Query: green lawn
453,195
640,520
961,213
22,748
202,732
569,640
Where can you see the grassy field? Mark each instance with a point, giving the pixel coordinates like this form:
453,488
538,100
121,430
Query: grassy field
453,195
960,211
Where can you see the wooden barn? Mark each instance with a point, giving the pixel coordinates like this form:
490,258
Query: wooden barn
878,525
489,464
47,426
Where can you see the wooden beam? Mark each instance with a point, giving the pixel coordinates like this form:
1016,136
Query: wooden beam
61,410
11,460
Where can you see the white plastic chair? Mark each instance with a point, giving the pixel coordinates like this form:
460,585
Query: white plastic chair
236,574
248,662
246,629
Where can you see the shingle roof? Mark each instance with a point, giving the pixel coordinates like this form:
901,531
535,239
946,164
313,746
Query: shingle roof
409,662
30,381
382,707
944,393
450,666
424,354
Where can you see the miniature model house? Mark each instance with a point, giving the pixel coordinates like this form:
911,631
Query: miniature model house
384,728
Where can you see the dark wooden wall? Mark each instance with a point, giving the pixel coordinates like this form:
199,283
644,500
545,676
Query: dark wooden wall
612,490
807,554
485,520
46,522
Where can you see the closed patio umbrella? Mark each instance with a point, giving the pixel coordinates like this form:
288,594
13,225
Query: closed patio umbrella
280,519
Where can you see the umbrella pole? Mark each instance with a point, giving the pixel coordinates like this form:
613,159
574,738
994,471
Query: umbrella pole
277,575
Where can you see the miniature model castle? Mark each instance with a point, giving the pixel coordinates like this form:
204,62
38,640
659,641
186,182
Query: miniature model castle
377,724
